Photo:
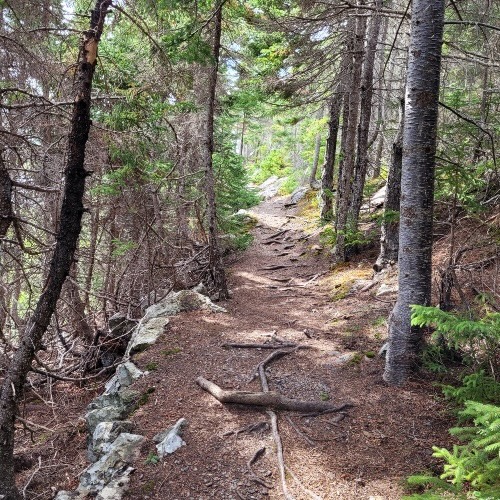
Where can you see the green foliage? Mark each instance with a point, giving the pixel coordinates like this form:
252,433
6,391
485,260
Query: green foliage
152,459
273,164
476,387
473,466
477,339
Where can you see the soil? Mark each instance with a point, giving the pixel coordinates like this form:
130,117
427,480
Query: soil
364,452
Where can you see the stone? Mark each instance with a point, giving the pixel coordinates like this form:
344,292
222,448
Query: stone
245,217
385,289
110,407
104,435
120,325
170,440
201,288
343,359
298,195
146,334
124,376
270,187
154,321
377,200
110,473
67,495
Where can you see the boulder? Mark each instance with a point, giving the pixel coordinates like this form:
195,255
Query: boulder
297,195
245,217
147,333
270,187
110,407
176,302
377,200
108,477
120,325
170,439
104,435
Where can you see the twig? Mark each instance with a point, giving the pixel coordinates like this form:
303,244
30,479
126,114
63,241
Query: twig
253,475
299,432
32,476
249,428
28,423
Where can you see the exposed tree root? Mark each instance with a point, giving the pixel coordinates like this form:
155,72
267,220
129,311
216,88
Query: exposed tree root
263,346
271,400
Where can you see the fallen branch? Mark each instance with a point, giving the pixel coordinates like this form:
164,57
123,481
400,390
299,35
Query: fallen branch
261,346
275,268
271,400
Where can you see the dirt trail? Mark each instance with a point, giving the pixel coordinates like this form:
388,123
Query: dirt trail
384,437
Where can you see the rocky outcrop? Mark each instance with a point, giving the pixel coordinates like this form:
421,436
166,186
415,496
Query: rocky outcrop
270,187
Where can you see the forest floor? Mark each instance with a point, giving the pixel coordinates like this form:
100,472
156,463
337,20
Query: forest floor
386,435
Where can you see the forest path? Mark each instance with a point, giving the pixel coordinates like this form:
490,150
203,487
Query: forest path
386,436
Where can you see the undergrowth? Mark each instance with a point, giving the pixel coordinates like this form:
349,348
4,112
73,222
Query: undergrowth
471,469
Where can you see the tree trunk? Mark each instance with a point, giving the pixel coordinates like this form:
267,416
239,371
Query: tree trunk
365,118
344,189
216,270
389,239
331,148
62,258
417,186
6,213
317,147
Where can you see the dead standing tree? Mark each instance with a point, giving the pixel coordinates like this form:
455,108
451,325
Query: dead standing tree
66,241
217,274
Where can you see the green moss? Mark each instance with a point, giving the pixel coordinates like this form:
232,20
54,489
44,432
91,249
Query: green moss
169,352
151,366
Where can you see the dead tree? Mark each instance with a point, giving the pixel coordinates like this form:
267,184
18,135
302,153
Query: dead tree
216,270
66,241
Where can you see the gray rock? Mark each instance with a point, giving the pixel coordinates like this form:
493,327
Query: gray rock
110,407
154,321
120,325
297,195
201,288
170,439
147,333
176,302
124,376
67,495
110,473
104,435
245,217
270,187
385,289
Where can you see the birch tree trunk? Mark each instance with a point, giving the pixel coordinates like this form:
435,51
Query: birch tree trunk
417,186
62,258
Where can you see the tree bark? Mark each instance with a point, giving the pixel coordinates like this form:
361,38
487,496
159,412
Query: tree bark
62,258
344,189
6,212
389,239
361,165
417,186
317,147
216,269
